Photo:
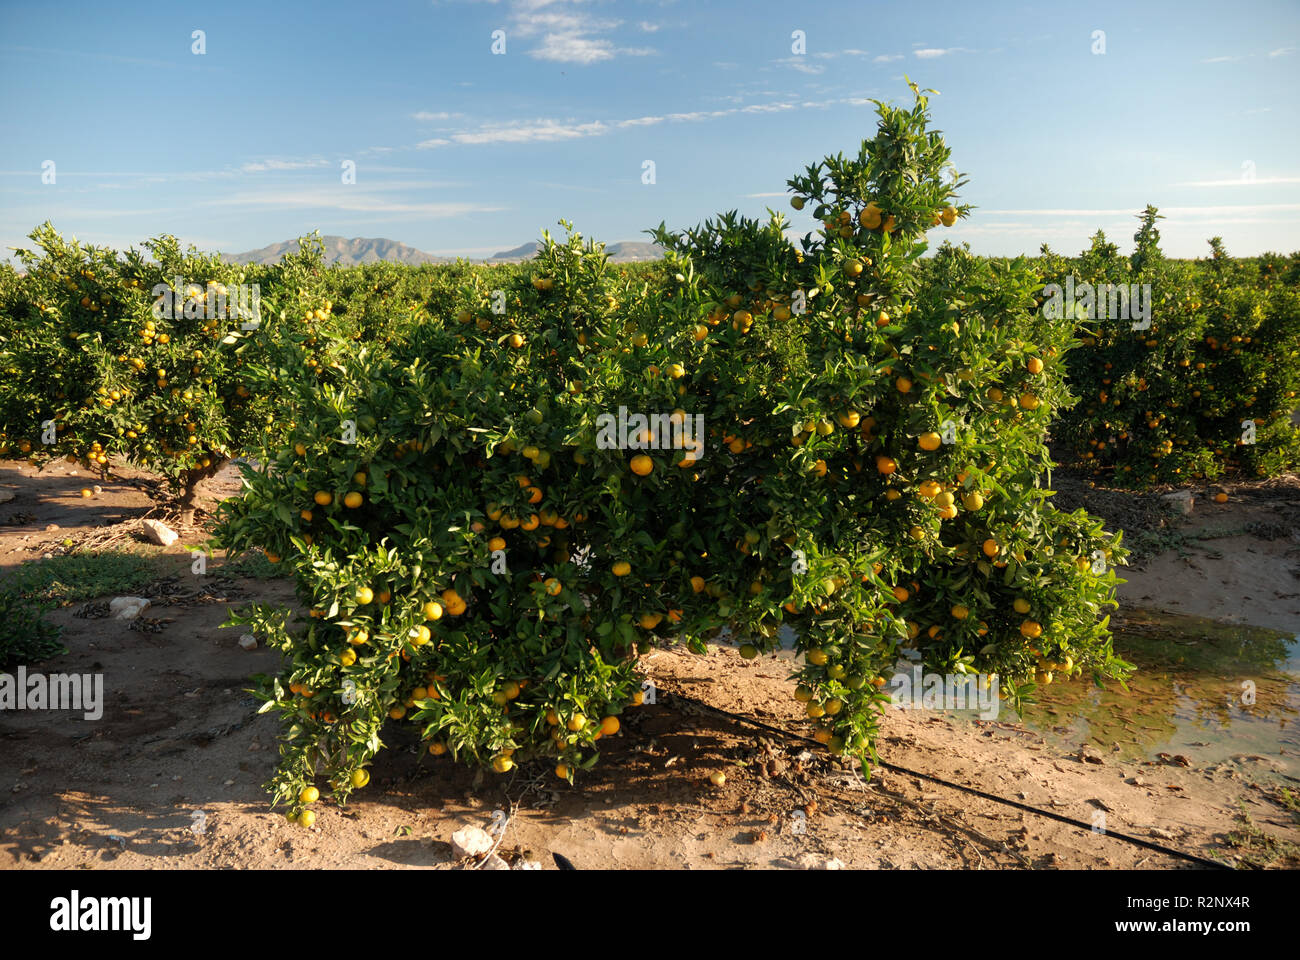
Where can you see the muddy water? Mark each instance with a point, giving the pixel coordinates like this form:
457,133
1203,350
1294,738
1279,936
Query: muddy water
1190,696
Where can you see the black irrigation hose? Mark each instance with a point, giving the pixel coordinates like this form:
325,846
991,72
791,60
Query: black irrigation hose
1136,841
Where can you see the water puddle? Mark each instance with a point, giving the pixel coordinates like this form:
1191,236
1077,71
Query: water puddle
1189,697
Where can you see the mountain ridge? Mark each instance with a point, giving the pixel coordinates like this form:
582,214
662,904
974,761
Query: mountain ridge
353,251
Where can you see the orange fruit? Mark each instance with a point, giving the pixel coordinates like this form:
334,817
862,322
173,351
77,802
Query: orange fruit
353,500
621,568
642,465
609,726
323,499
455,605
432,610
929,441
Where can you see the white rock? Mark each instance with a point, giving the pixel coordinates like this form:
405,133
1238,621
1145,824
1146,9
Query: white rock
470,842
1180,500
159,532
810,861
248,641
127,608
494,863
6,496
528,865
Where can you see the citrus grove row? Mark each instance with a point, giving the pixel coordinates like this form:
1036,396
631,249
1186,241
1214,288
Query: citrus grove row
427,463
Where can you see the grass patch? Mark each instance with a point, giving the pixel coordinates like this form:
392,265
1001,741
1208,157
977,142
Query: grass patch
79,576
24,637
1259,850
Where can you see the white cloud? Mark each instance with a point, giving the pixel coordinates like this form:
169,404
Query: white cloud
568,34
425,116
1239,182
547,130
262,166
1279,52
1211,211
648,27
530,131
887,58
801,64
767,107
348,199
928,53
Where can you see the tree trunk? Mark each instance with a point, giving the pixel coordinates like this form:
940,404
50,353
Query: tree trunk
190,481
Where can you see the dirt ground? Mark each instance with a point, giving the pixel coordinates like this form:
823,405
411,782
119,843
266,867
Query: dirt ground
170,777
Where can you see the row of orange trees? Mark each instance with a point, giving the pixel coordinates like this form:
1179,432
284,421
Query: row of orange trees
1201,384
453,464
139,356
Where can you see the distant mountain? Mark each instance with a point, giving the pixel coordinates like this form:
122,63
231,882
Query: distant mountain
626,252
521,252
632,250
345,251
356,250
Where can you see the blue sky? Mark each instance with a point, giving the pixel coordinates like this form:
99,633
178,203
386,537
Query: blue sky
1193,106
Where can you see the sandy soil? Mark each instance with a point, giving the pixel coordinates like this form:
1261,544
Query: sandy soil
180,745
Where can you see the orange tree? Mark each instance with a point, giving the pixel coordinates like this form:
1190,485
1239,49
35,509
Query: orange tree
484,535
109,354
1205,388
